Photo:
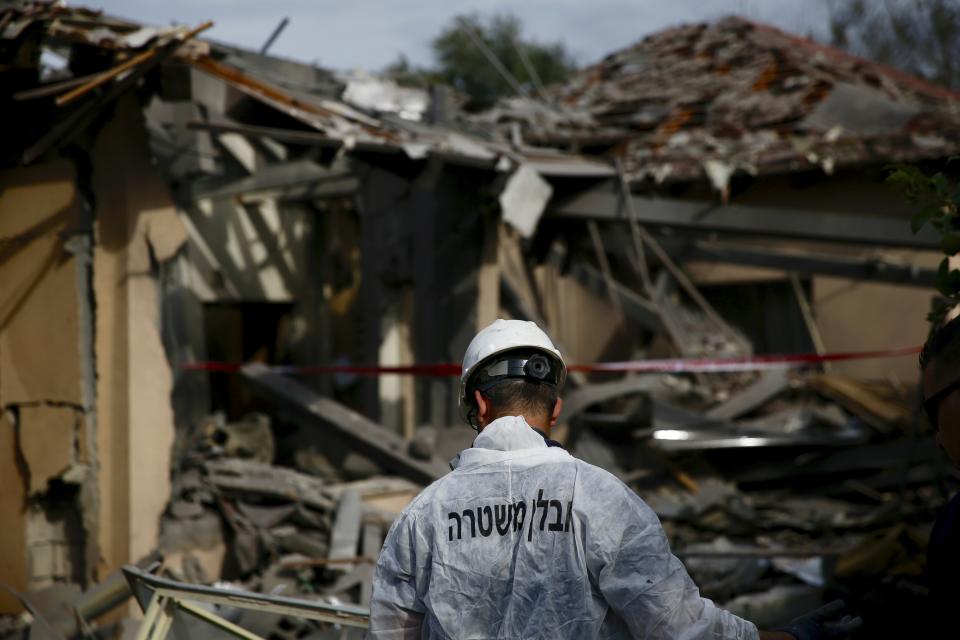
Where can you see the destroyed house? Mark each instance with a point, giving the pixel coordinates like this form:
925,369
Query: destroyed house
759,154
177,214
170,201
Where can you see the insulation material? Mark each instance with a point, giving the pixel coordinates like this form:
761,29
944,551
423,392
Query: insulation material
38,300
861,110
383,95
136,224
48,440
524,199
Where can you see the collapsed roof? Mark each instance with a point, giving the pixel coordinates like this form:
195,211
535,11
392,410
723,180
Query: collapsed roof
706,100
103,57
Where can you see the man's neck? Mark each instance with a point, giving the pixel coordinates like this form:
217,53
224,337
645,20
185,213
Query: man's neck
538,424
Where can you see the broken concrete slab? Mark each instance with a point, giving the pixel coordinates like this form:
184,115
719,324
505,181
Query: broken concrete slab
857,397
306,543
250,479
305,406
524,199
345,535
767,386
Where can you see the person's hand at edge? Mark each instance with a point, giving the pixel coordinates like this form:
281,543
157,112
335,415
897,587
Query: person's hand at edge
819,624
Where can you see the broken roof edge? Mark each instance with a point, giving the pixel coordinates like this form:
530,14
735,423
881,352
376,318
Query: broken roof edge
684,170
915,82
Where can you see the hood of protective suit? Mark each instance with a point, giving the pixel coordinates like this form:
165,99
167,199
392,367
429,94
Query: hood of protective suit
523,540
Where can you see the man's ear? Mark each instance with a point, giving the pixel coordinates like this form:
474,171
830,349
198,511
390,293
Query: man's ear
483,407
556,411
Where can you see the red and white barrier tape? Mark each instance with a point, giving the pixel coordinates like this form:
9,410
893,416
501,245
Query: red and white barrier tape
665,365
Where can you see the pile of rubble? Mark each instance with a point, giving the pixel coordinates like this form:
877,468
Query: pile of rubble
311,224
791,490
794,489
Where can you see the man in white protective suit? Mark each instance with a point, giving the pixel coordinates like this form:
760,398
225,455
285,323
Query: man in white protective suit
522,540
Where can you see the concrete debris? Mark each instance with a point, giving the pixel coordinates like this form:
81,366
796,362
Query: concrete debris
768,385
368,438
381,95
250,438
345,536
524,199
212,253
704,101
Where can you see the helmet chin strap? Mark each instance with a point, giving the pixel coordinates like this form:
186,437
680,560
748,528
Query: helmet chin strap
471,419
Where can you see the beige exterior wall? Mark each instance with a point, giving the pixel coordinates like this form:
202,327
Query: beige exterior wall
118,463
136,226
41,381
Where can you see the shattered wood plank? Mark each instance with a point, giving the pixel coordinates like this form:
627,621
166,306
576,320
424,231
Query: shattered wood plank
393,503
878,412
345,536
766,387
373,487
370,439
292,136
256,478
67,128
116,71
142,582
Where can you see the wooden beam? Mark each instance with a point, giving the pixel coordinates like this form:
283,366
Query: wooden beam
875,270
313,411
289,136
826,226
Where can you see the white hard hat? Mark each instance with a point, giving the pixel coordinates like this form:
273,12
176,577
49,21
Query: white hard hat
497,338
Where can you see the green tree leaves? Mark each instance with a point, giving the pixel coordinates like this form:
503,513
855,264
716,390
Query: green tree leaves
938,202
462,59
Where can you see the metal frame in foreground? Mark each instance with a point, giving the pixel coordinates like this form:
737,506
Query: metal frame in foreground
161,599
